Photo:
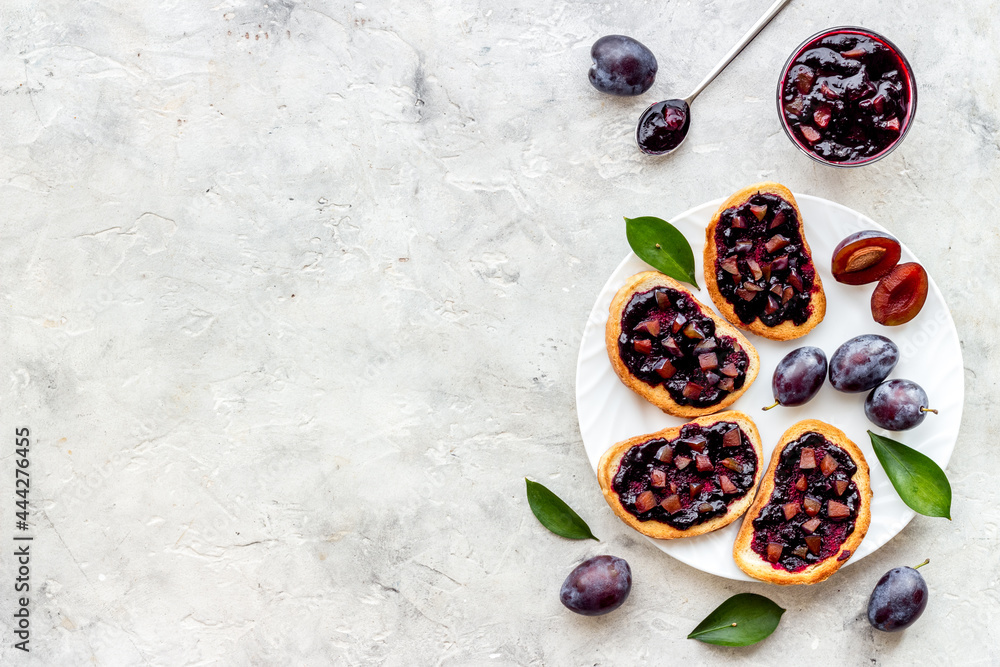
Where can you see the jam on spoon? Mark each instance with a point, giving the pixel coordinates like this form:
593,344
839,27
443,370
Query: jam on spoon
663,126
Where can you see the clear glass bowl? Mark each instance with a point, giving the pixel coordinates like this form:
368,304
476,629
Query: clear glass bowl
905,122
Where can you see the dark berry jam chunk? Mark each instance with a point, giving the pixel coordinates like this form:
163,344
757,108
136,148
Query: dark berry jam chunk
813,507
690,479
761,267
847,96
663,127
667,340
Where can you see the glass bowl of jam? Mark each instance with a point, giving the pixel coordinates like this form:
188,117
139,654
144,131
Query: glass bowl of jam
847,97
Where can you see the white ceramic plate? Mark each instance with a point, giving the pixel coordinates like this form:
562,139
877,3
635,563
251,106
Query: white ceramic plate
930,355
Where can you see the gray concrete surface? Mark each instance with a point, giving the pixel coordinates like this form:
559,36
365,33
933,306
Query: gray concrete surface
293,292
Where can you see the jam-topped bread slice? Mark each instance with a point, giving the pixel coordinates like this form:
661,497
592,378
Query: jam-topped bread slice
686,480
812,510
758,265
673,350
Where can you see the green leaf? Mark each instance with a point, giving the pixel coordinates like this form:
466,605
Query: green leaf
743,619
556,515
659,244
919,481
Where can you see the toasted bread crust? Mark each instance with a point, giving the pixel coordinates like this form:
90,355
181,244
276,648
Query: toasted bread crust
786,330
758,568
607,468
658,395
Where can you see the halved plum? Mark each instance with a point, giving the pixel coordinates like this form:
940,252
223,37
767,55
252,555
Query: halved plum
864,257
900,294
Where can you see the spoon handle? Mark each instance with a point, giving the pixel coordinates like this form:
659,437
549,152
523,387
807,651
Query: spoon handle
735,51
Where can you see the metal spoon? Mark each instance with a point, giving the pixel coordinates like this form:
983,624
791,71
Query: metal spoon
663,126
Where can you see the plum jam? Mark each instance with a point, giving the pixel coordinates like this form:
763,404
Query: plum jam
667,340
761,266
847,96
690,479
813,507
663,127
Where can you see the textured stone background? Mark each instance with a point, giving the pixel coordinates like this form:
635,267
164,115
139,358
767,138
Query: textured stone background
293,292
